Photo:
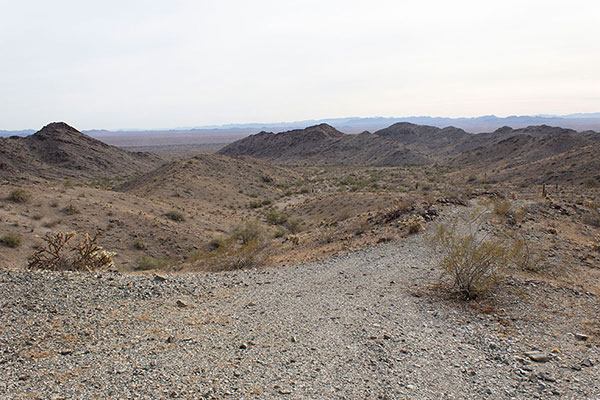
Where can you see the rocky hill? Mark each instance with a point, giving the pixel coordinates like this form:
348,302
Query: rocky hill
61,151
323,144
427,139
512,147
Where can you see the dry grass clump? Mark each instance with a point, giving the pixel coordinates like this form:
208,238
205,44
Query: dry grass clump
60,253
19,195
11,240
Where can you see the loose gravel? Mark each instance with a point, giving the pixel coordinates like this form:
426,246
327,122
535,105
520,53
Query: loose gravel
371,324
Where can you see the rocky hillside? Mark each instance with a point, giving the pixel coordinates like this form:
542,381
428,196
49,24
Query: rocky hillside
61,151
323,144
512,147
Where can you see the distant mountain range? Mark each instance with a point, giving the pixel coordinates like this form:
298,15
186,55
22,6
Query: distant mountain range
214,133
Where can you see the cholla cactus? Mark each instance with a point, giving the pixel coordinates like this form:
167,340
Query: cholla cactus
61,254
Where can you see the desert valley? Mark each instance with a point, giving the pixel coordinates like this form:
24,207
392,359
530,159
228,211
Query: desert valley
300,264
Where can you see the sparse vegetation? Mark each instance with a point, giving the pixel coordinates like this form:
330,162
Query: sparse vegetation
19,195
175,216
148,263
11,240
60,253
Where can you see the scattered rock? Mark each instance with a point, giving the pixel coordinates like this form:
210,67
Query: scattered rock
181,303
159,278
537,356
581,336
546,377
587,363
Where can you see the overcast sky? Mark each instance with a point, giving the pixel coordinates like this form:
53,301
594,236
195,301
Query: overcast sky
165,64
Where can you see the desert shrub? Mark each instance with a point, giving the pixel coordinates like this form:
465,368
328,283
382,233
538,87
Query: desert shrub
247,231
255,204
148,262
274,218
502,208
414,224
590,182
71,209
60,253
19,195
304,189
11,240
293,225
175,216
471,259
326,234
280,232
139,244
216,243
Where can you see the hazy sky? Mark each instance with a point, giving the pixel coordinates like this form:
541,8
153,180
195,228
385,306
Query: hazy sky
160,64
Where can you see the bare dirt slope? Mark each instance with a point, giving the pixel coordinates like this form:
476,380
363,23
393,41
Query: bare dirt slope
369,324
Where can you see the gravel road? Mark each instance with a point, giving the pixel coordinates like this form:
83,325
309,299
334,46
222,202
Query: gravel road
366,325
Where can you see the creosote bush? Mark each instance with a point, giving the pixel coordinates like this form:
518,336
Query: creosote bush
19,196
11,240
247,231
61,253
175,216
472,259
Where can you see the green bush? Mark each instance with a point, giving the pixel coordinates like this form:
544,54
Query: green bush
11,240
280,232
274,218
19,196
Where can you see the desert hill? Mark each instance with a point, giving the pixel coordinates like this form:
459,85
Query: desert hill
519,146
210,179
61,151
427,139
322,145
